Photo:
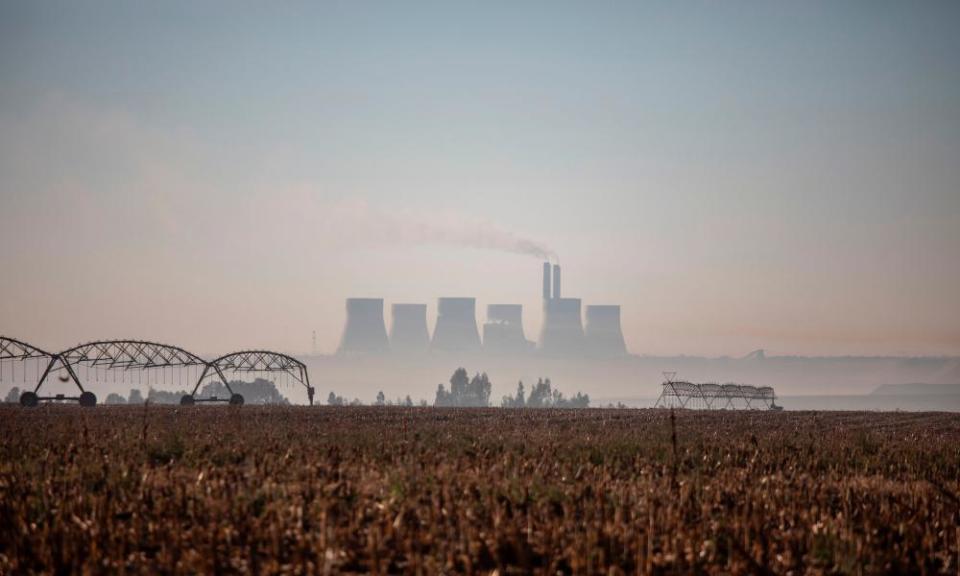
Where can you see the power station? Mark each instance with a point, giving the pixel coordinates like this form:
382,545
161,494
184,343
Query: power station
563,332
562,329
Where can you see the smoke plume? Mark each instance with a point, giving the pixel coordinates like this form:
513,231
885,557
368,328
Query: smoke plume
359,223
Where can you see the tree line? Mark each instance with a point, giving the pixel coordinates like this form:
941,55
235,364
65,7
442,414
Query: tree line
260,391
463,392
467,392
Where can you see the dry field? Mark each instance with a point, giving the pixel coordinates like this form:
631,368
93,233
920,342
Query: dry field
414,490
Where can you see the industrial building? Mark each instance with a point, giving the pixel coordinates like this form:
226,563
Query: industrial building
562,332
562,329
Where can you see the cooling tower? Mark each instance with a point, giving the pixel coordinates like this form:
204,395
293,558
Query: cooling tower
365,330
602,331
503,331
456,328
408,332
506,313
562,331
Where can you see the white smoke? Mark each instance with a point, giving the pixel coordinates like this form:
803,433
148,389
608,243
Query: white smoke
358,223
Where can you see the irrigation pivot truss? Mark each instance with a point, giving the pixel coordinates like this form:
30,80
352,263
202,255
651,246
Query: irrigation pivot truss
141,357
255,361
127,355
18,351
712,396
13,349
130,354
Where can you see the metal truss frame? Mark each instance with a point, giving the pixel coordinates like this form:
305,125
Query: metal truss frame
713,396
11,348
145,355
263,361
117,354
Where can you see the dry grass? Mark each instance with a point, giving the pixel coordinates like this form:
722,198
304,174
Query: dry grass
387,490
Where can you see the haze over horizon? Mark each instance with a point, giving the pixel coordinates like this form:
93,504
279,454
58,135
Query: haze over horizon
736,176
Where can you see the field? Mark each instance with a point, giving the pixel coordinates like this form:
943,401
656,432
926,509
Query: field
387,490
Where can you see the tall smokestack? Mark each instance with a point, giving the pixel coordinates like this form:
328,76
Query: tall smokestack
365,330
556,282
546,280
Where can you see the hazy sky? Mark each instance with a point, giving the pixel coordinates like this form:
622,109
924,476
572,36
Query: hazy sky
783,175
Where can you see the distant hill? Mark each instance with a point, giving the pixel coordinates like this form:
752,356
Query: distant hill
917,390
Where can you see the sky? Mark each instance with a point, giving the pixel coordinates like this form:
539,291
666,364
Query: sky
736,175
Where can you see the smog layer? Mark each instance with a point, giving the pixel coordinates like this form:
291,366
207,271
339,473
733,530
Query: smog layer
579,348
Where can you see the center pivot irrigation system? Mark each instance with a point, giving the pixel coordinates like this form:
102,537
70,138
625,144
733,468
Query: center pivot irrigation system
138,362
711,396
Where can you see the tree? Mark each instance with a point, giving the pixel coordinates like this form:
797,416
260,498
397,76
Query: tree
408,401
518,401
114,398
442,397
479,393
459,382
135,396
465,392
13,396
543,396
260,391
579,401
164,396
381,399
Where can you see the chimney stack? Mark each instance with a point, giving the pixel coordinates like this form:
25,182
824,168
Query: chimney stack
546,280
556,282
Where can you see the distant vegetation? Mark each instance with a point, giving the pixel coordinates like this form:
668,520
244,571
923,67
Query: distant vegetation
475,392
465,392
259,391
13,396
543,396
334,400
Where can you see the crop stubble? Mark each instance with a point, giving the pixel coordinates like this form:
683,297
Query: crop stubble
386,489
